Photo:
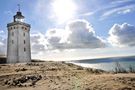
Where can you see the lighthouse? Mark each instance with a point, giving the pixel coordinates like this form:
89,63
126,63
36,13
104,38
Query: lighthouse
18,41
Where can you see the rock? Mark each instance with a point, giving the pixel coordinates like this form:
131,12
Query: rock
20,69
126,88
87,89
33,82
15,82
10,82
22,80
20,85
6,81
79,68
132,79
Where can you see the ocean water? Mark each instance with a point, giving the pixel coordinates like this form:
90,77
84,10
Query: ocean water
107,64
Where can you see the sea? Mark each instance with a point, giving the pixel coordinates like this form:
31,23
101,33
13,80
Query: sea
107,64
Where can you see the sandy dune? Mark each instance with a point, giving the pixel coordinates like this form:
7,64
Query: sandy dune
61,76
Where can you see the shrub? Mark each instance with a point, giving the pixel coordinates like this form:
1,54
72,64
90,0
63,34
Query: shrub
119,68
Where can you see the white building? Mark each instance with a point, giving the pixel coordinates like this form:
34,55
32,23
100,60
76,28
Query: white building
18,44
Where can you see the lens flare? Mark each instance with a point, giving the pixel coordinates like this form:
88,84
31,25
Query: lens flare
63,10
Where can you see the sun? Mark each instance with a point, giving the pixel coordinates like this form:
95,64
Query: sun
63,10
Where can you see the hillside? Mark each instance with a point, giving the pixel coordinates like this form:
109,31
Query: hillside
61,76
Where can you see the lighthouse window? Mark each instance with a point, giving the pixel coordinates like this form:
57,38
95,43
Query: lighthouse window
12,33
14,27
24,34
22,27
24,49
12,42
24,41
25,28
11,28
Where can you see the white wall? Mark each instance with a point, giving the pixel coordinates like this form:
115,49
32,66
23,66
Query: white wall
15,51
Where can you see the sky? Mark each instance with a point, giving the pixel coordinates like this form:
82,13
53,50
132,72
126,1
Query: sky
74,29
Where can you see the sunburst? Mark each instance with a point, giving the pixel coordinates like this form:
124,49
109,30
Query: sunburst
64,10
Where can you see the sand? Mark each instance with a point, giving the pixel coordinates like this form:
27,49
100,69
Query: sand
61,76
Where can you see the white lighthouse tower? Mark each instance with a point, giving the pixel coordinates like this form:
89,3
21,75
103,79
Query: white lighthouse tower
18,44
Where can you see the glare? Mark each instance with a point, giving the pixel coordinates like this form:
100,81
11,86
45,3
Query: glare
63,10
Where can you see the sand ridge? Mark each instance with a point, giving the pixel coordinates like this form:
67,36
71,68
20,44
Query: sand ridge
61,76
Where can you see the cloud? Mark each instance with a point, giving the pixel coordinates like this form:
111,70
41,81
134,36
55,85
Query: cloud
38,43
122,35
125,11
57,38
118,10
87,14
120,1
1,31
77,34
2,43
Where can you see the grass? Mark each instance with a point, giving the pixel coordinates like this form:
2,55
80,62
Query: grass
119,69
